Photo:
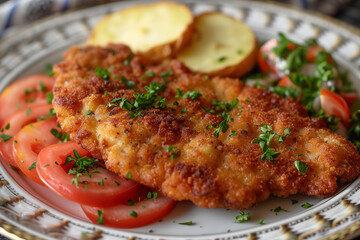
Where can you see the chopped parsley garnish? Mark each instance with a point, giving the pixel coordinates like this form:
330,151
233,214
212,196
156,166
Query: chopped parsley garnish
243,217
62,136
354,132
49,115
221,59
33,166
233,133
49,70
286,91
187,223
28,112
49,97
128,175
193,95
116,183
7,127
182,111
174,151
127,83
128,59
103,73
133,214
149,74
151,195
307,205
46,165
101,182
142,100
261,222
239,51
301,166
100,217
14,168
42,87
131,202
278,210
80,166
5,137
89,112
165,75
264,141
293,201
29,91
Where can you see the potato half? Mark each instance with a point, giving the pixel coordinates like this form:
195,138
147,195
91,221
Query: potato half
156,31
221,46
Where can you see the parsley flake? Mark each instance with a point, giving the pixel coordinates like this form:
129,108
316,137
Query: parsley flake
128,175
133,214
7,127
221,59
233,133
301,166
5,137
100,217
174,151
128,59
264,141
127,83
103,73
307,205
243,217
49,70
187,223
33,166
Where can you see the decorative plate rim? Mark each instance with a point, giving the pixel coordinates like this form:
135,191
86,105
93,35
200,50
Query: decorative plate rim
37,25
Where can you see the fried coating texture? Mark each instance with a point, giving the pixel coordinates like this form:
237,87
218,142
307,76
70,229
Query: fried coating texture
211,172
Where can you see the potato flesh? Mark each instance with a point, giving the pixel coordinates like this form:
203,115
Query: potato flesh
221,42
143,27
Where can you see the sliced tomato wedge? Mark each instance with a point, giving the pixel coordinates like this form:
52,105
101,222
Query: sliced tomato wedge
124,216
285,81
101,188
23,93
312,52
334,104
29,141
13,125
266,58
349,97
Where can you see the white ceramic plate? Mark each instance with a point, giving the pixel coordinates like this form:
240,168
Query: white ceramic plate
33,210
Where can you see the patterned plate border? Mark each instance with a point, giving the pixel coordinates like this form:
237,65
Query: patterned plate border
29,218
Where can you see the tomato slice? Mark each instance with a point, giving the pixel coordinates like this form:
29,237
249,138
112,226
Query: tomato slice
266,58
103,188
23,93
285,81
124,216
349,97
29,141
312,52
13,125
334,104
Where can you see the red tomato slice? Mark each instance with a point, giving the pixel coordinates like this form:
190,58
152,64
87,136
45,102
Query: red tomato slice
266,58
28,143
312,52
104,188
23,93
334,104
349,97
124,216
13,125
285,81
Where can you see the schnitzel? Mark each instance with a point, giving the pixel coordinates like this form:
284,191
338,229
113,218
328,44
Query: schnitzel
214,141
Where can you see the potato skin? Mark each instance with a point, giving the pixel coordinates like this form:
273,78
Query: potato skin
157,52
211,172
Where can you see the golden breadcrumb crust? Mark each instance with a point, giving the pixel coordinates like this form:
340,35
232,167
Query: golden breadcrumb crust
212,172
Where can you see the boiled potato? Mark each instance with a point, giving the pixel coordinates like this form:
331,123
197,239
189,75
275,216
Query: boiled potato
221,46
156,31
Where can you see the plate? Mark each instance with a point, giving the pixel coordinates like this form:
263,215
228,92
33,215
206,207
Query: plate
31,210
